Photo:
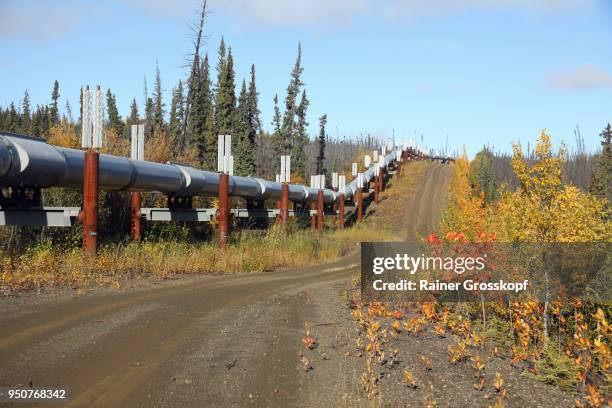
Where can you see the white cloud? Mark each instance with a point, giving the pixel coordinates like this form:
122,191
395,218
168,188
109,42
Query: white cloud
39,21
332,14
580,79
414,9
318,14
166,9
45,20
262,13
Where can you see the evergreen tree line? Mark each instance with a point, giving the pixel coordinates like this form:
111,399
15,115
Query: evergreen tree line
202,108
32,121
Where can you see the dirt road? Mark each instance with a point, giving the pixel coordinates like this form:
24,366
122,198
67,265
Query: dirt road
221,341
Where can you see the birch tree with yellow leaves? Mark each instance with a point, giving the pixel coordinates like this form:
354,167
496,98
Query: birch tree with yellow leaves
543,209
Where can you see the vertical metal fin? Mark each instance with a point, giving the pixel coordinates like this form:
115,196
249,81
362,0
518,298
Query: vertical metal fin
86,119
141,141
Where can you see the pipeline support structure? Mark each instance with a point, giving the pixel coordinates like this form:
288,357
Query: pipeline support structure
31,164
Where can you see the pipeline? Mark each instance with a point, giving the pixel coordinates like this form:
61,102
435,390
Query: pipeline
31,162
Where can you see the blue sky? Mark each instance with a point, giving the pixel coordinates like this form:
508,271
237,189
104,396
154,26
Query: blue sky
477,71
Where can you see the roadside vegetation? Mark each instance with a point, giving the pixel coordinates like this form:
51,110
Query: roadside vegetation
564,343
43,266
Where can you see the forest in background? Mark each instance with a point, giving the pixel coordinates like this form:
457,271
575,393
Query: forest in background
588,171
186,128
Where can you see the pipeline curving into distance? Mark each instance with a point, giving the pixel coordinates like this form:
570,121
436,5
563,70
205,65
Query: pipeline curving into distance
30,162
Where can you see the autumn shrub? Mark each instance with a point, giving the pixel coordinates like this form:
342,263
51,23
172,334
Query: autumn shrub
561,343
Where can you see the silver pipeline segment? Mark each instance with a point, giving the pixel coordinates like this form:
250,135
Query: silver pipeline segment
369,174
30,162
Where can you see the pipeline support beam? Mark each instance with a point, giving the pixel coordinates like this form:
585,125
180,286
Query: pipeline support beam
224,210
320,210
341,212
376,187
313,216
90,202
284,205
359,205
136,216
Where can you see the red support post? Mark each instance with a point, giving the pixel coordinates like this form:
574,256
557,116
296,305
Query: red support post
399,169
284,205
376,187
320,210
313,217
359,205
136,218
90,202
341,212
381,180
334,222
223,211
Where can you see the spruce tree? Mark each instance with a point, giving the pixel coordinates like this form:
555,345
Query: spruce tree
149,117
176,111
253,107
277,137
13,119
192,115
293,90
53,109
46,123
298,155
225,102
158,104
36,128
148,111
68,110
114,120
253,124
482,176
134,117
40,121
601,180
322,142
219,86
221,61
193,82
201,109
209,140
2,119
210,137
25,113
243,153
